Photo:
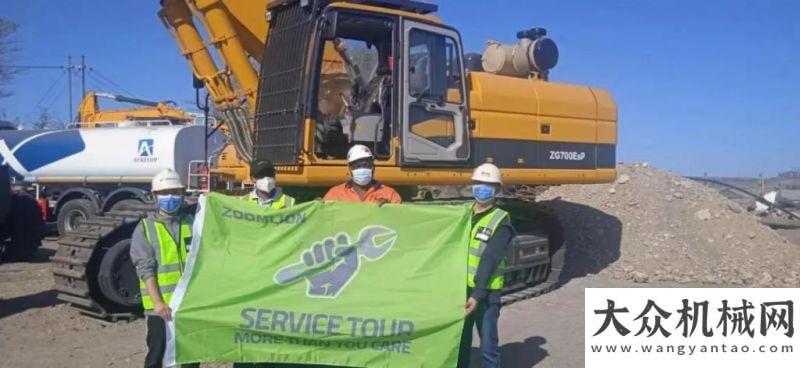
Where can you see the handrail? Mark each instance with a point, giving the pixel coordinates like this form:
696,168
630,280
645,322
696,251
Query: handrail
126,124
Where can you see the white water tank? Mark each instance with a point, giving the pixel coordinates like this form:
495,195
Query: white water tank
131,155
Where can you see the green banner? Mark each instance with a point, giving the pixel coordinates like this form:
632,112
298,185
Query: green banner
335,283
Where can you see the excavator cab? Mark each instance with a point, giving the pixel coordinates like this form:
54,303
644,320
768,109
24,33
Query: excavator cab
398,86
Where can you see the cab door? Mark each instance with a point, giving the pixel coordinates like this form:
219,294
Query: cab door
434,102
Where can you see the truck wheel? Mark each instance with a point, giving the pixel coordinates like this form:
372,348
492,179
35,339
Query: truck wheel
72,214
126,205
117,275
27,228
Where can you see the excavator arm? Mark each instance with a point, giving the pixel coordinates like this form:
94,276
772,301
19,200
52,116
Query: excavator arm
90,115
236,30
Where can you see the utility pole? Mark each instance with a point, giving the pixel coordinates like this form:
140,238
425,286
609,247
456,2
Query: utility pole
69,86
83,76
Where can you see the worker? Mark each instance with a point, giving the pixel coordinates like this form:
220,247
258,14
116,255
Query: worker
159,249
265,191
362,187
268,194
490,238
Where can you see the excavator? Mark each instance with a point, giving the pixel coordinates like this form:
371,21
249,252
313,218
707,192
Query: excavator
297,82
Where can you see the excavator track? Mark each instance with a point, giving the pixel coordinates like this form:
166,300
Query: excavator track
77,260
542,269
77,274
534,269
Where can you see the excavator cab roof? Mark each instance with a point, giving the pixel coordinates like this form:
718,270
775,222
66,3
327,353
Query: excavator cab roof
404,5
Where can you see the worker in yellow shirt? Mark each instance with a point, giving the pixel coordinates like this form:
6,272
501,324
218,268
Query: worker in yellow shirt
266,192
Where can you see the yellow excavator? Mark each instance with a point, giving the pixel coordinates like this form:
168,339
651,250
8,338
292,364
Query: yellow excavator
301,81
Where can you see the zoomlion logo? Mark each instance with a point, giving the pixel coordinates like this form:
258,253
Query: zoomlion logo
329,265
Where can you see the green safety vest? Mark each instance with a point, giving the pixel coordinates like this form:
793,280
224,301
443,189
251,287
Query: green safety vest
479,237
171,257
283,201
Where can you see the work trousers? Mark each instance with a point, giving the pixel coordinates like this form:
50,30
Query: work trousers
157,344
485,317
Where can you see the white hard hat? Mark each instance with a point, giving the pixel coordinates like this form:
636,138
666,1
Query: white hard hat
487,173
166,179
358,152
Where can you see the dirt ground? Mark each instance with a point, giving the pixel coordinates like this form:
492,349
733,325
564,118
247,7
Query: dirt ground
36,330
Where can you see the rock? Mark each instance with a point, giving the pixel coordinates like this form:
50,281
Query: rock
709,279
628,268
640,277
751,235
677,195
765,280
703,215
747,277
734,207
710,240
612,190
624,178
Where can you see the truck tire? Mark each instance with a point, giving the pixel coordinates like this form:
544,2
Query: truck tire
74,213
27,229
126,205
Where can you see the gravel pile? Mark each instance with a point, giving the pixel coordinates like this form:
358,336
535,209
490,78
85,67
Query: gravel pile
651,225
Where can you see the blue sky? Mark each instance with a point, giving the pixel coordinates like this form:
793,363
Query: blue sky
701,86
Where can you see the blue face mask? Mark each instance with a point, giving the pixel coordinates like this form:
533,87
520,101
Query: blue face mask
483,192
169,203
362,176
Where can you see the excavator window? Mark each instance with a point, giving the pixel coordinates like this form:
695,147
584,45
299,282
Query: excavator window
434,124
354,94
435,70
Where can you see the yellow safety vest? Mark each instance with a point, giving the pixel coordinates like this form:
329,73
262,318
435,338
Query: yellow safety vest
479,238
283,201
170,255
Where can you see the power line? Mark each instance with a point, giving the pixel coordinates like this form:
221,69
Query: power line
112,82
55,99
47,92
36,67
104,85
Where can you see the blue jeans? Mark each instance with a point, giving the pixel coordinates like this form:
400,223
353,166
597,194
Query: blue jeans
485,317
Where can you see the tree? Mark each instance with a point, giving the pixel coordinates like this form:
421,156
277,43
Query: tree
46,120
7,48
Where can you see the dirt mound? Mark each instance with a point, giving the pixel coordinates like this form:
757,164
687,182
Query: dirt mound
651,225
